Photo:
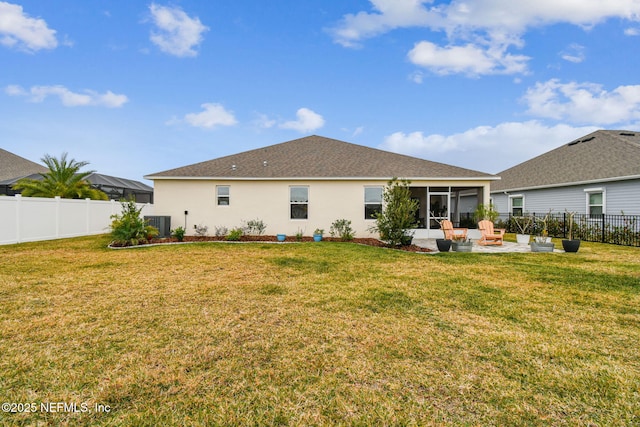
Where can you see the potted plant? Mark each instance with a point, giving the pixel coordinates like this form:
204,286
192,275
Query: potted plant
523,223
570,244
461,244
407,239
317,234
542,242
443,244
281,237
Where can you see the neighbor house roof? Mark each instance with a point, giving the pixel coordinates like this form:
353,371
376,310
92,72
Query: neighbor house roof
603,155
14,166
317,157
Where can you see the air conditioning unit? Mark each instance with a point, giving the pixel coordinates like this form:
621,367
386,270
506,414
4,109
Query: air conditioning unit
162,223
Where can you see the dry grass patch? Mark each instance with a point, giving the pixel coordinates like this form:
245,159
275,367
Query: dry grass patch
319,334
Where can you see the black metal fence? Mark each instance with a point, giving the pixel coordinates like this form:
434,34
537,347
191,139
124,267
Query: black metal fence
613,229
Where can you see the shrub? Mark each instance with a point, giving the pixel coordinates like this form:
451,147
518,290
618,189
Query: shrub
255,226
342,229
201,230
398,214
178,233
235,234
221,231
129,228
486,212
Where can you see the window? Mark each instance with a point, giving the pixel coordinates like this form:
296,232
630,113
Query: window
222,195
372,201
595,202
517,205
299,201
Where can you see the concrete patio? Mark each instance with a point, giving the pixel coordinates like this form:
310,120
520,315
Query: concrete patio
506,247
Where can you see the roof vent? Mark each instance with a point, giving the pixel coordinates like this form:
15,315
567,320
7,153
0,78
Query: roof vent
233,167
627,134
264,163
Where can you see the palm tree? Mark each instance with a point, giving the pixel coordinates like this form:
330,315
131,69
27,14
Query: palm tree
63,179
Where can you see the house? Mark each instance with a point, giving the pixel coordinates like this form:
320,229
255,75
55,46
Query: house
596,174
308,183
13,168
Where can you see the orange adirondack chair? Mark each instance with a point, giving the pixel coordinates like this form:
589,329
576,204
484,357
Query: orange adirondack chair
450,232
490,236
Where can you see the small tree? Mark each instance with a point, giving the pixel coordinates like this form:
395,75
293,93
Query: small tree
129,229
398,212
486,212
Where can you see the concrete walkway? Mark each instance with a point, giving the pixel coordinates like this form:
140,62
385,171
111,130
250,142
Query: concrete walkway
507,247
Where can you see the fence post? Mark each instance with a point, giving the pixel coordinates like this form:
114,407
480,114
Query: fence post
564,225
18,215
57,204
87,217
603,233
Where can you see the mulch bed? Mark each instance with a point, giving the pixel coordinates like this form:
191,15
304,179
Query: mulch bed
290,239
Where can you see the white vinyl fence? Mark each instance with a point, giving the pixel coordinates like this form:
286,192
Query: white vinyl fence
28,219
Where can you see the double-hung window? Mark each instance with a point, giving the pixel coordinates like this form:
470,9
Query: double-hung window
372,201
595,202
223,195
517,205
299,202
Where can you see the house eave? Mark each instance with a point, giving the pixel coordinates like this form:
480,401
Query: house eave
567,184
335,178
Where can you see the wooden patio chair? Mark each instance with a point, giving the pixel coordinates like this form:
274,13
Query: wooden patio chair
452,233
490,236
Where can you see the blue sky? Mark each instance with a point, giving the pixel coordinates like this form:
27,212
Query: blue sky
137,87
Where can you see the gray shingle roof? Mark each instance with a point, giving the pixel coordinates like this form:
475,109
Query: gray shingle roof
601,155
14,166
318,157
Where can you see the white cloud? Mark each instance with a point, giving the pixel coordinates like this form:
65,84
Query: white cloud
583,102
573,53
263,121
484,29
22,32
388,15
632,32
469,59
69,98
177,33
486,148
307,121
212,116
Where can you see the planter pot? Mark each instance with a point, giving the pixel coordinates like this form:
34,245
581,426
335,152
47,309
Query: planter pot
462,246
317,237
281,237
571,245
542,247
523,239
444,245
406,240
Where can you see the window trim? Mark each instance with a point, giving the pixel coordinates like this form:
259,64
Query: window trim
219,196
364,194
516,196
588,192
291,203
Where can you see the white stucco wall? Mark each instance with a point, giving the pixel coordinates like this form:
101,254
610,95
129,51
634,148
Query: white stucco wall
269,202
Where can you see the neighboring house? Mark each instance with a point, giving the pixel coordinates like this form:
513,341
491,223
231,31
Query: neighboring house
13,168
596,174
308,183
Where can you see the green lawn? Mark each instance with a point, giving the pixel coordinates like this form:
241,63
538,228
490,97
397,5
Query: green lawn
318,334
